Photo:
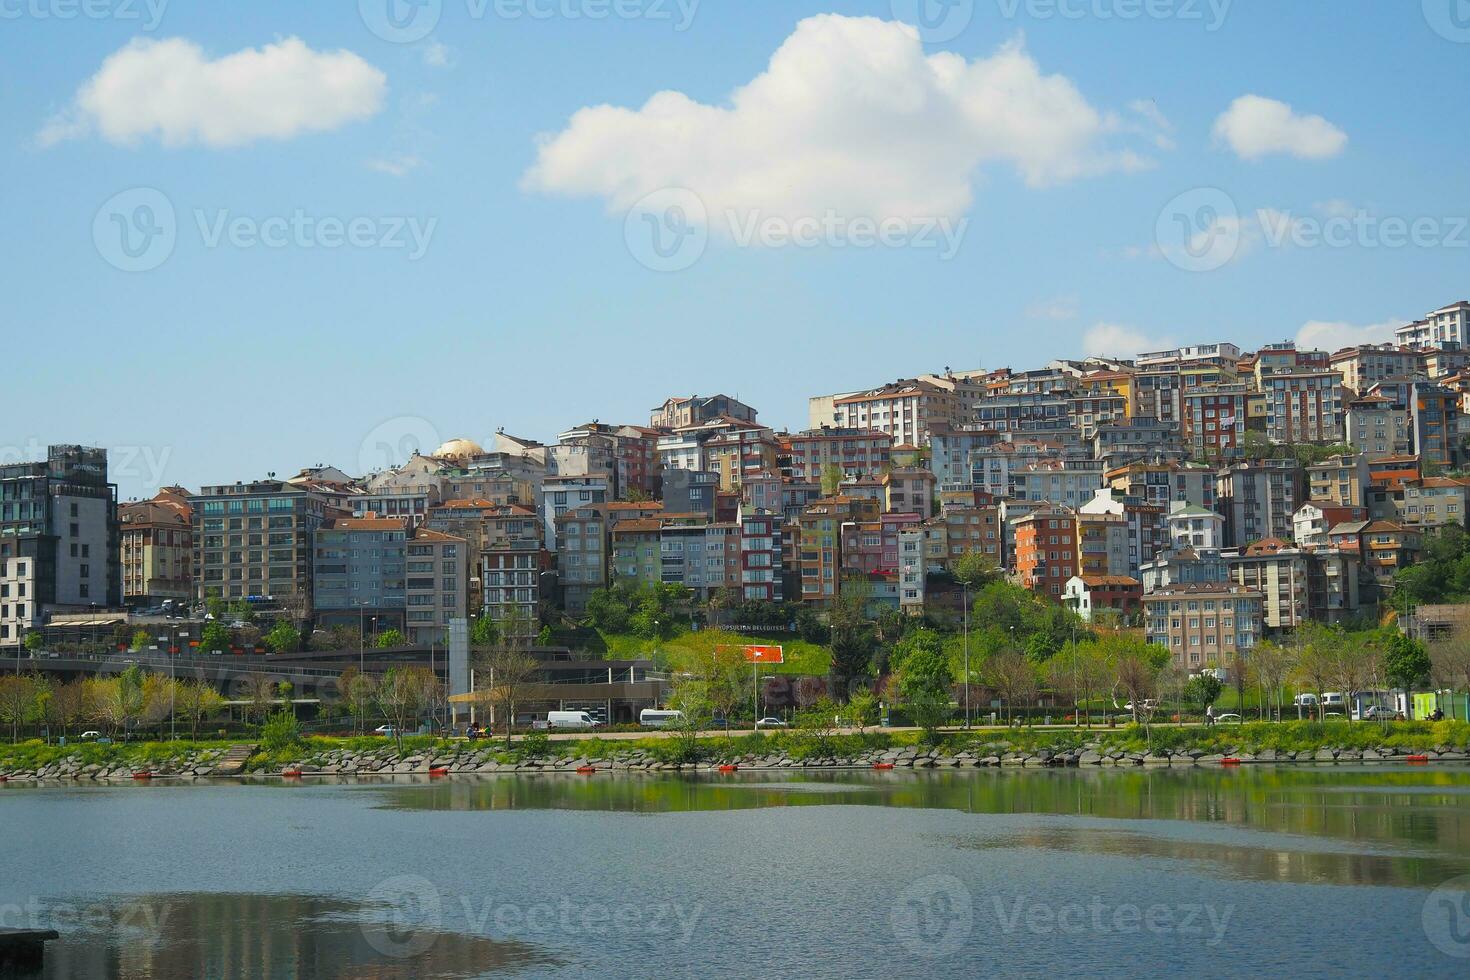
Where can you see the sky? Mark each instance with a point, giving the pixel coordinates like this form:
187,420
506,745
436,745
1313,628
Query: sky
247,236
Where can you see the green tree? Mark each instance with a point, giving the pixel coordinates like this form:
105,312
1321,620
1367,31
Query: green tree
283,637
390,638
1013,677
832,477
215,638
974,569
35,641
19,701
1202,690
853,639
1406,662
484,633
140,640
924,679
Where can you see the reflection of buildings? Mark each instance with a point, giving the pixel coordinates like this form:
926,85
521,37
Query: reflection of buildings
230,935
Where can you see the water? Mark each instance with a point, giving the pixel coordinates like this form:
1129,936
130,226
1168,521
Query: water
1291,871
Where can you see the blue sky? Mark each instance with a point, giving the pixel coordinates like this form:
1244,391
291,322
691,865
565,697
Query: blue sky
529,309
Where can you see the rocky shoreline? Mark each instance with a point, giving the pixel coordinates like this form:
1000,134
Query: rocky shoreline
386,762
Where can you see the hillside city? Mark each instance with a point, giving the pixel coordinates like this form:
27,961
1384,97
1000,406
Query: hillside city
1266,489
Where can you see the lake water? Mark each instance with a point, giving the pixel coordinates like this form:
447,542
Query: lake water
1261,871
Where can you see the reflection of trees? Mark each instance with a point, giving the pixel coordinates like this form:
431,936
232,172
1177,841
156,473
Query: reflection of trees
1382,810
230,935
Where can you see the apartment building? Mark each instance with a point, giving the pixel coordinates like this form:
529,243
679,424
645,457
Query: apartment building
1147,532
1164,484
1340,480
909,490
1214,419
691,491
436,585
903,410
856,452
1140,437
1376,427
560,494
1259,499
255,539
1071,483
1434,419
819,555
1448,325
1046,550
59,538
156,550
1195,527
1102,545
1303,405
1203,625
1278,571
679,413
359,570
582,562
1311,523
1363,366
761,549
1094,596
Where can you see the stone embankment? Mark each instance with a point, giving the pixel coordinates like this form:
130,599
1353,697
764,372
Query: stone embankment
386,762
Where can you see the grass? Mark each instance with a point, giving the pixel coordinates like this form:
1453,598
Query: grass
801,657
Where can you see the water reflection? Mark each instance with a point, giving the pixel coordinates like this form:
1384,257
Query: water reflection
164,937
1373,825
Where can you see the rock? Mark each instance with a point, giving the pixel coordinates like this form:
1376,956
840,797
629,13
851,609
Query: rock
1154,758
1325,755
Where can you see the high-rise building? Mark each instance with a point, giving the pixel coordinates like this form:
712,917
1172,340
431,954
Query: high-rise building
157,548
59,539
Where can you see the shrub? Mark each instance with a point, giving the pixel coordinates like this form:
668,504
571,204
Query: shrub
280,733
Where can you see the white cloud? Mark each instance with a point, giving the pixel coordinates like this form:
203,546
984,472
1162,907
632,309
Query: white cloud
1255,127
170,90
851,116
1335,335
1058,308
438,55
1119,340
398,165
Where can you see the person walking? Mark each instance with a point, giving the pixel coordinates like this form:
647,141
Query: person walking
1209,715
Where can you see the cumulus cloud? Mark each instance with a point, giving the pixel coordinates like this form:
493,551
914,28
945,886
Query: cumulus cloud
172,91
1255,127
438,55
1119,340
852,116
1331,335
398,165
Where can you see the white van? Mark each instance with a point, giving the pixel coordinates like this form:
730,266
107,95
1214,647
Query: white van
570,719
655,718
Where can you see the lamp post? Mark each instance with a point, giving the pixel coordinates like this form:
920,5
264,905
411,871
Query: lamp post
965,593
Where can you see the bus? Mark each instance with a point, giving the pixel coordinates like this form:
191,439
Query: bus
658,717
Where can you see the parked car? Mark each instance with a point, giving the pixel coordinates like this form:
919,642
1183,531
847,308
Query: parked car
1147,704
90,736
771,723
387,731
1378,712
658,718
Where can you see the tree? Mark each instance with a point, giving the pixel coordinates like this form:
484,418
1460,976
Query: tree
1202,690
1271,664
1315,665
215,638
403,694
1082,672
34,642
924,679
1136,675
974,569
483,633
832,477
258,691
359,691
19,696
852,638
140,640
862,708
195,701
390,638
506,671
1012,676
1406,662
283,637
1355,664
67,705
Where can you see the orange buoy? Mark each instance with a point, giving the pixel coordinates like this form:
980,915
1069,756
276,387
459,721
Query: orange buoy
729,767
439,771
1231,761
586,770
882,765
291,773
1416,758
